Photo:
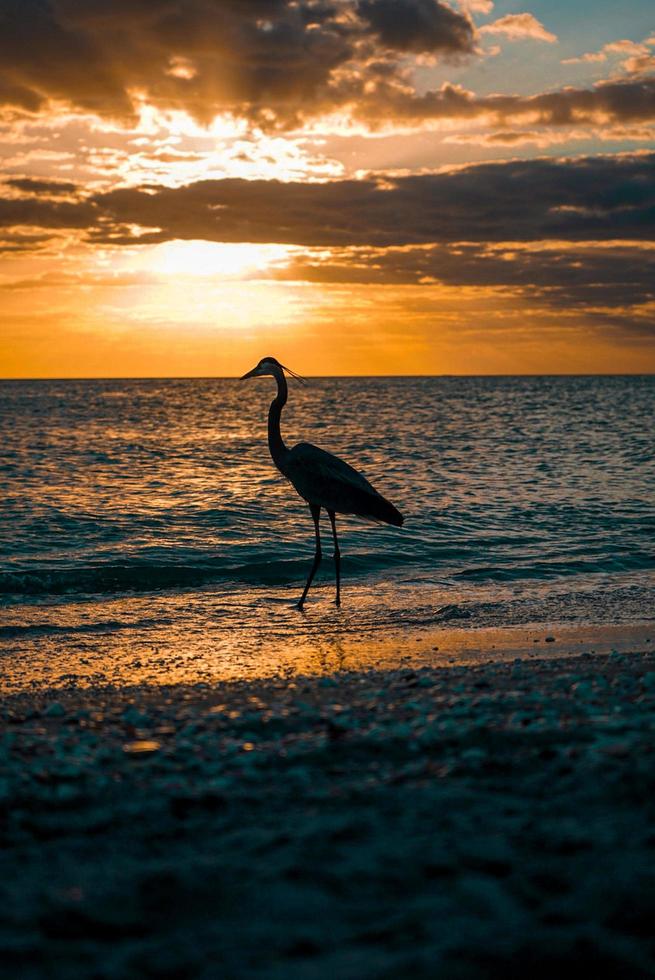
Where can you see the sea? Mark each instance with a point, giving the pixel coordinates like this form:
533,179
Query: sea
144,520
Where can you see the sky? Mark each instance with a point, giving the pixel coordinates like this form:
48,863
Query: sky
351,186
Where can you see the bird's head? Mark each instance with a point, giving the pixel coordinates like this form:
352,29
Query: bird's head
271,366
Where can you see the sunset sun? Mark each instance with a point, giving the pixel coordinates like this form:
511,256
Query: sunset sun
210,259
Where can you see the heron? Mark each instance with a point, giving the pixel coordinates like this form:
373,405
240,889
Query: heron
324,481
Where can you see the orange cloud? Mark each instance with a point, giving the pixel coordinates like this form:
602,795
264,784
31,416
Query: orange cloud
518,27
551,137
637,55
608,102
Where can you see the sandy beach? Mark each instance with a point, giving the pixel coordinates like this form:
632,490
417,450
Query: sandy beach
467,820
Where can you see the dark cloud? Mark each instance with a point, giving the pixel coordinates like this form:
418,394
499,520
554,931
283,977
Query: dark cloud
587,198
606,103
599,198
609,102
420,26
45,212
566,276
272,59
13,244
43,52
19,96
277,62
49,188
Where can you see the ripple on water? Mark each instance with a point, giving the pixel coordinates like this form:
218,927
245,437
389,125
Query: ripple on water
162,487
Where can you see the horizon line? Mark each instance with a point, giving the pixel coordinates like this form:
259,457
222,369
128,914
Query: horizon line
230,377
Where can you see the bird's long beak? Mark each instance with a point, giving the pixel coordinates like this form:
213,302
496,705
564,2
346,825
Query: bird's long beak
250,374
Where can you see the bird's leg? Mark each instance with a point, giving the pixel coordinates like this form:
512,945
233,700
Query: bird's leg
316,513
337,556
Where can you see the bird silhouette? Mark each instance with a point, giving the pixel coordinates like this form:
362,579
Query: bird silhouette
323,480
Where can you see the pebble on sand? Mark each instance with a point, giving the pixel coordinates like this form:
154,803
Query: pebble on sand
143,746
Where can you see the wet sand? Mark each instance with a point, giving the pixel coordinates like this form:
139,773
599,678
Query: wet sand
486,817
44,655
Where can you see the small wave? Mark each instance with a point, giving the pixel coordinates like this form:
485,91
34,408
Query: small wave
145,577
557,569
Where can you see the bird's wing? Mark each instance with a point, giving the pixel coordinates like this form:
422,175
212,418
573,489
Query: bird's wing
326,480
310,462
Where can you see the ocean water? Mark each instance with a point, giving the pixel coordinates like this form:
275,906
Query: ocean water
148,512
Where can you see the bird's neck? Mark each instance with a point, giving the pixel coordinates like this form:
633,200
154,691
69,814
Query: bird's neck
275,441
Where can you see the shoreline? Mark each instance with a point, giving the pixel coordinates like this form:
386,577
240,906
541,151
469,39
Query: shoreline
57,661
465,820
